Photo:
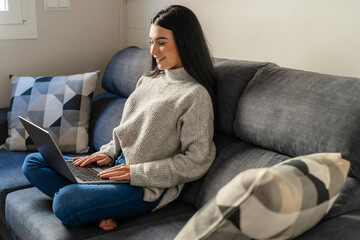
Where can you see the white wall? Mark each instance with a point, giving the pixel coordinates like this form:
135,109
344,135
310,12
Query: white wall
315,35
76,41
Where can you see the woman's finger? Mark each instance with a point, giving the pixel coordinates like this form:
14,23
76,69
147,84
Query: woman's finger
111,174
101,159
116,176
83,161
79,160
120,178
101,162
88,160
104,160
122,167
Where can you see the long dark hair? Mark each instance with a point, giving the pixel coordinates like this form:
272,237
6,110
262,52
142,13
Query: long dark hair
191,43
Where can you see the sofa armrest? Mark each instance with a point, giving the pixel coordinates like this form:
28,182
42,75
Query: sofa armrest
3,125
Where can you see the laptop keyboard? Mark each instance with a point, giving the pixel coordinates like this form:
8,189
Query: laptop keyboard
84,173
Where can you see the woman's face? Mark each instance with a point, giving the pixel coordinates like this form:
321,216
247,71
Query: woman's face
163,48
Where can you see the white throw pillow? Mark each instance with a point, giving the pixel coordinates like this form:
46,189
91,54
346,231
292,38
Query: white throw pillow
279,202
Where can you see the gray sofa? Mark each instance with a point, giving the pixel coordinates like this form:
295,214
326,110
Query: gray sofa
265,114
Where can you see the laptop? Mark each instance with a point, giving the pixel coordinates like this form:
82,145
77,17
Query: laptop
54,158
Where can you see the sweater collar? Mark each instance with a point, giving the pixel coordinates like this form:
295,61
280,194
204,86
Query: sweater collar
179,74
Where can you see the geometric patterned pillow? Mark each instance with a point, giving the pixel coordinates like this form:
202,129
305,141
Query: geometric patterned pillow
60,104
279,202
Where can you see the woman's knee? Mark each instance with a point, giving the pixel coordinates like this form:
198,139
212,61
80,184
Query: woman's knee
67,206
31,161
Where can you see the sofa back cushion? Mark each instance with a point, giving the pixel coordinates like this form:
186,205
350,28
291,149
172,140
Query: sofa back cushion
106,114
297,113
234,158
3,125
233,76
124,70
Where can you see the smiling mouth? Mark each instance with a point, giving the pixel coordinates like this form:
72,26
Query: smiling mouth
160,59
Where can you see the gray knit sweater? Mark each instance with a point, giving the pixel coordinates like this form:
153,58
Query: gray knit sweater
166,134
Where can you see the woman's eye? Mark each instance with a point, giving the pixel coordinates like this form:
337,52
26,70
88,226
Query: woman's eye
159,43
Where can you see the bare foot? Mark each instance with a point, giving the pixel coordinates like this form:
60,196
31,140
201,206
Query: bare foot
107,224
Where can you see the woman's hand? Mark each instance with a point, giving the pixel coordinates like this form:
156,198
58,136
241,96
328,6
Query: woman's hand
100,159
118,173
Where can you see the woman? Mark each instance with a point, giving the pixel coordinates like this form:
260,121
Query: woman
163,141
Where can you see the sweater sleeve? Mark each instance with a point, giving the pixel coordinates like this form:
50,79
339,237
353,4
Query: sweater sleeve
108,149
197,151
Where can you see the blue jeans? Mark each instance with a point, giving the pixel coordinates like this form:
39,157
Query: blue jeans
78,204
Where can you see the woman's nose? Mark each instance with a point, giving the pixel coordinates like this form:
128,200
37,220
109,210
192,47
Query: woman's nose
153,49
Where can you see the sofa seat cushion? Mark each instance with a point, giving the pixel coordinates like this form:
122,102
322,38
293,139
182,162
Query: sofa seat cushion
11,177
342,227
162,224
234,158
29,215
348,200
